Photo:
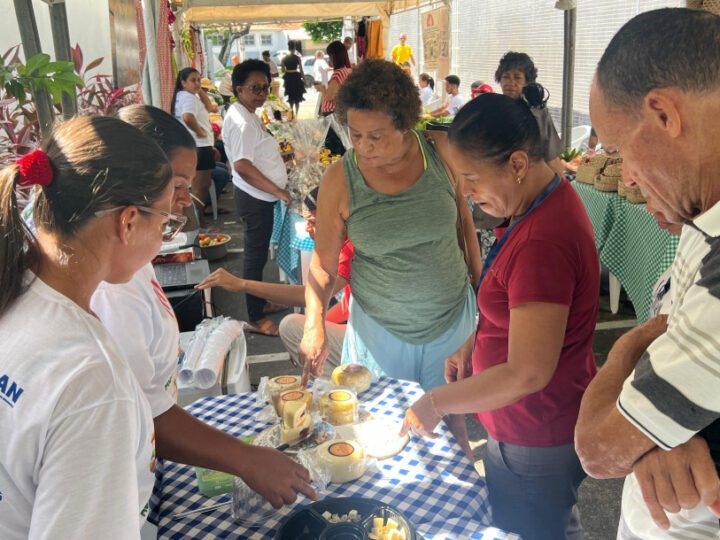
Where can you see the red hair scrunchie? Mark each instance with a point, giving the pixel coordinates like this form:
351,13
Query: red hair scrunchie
35,169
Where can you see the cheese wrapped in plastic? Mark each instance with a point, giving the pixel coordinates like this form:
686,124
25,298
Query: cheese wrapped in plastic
302,396
297,422
339,406
280,384
353,376
344,459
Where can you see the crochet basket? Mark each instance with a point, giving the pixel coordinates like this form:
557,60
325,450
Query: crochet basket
590,167
633,195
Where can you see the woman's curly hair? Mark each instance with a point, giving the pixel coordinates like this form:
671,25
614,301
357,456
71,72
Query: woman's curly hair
517,60
379,85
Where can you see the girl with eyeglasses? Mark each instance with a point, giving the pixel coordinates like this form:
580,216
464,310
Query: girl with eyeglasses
77,447
189,107
259,177
139,309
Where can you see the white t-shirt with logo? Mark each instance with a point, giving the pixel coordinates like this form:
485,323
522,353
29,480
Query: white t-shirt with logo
77,444
187,102
455,104
246,138
140,318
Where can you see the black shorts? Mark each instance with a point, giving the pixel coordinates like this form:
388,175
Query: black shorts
206,158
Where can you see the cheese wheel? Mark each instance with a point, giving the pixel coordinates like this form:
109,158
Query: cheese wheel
339,406
301,396
344,459
280,384
353,376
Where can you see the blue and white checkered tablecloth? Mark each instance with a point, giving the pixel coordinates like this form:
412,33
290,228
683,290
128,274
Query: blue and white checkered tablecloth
291,237
430,481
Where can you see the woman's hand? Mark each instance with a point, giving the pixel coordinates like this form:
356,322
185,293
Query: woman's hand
223,279
421,418
313,353
276,477
201,133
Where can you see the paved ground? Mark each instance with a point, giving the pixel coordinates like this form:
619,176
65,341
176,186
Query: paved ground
599,500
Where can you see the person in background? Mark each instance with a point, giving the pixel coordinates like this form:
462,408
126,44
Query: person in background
210,105
221,175
402,52
294,78
412,301
532,353
454,101
592,140
188,107
259,177
479,87
321,69
349,46
291,327
405,66
139,308
271,64
514,72
652,413
427,88
77,450
340,63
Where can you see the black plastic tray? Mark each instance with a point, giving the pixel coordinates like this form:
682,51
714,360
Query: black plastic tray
307,523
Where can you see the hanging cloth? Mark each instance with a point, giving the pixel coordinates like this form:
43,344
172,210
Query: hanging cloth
375,41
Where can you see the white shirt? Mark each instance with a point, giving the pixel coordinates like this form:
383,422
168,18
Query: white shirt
320,71
139,308
76,450
352,55
455,103
672,393
187,102
246,138
426,95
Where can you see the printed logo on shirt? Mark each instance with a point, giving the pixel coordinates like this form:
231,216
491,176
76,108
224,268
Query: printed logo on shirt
162,298
10,391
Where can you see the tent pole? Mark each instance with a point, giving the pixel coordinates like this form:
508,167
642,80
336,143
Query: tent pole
31,46
151,58
61,42
568,76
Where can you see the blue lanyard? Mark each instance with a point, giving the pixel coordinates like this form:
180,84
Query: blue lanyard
497,246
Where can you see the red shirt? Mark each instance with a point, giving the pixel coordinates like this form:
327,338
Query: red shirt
339,75
340,311
550,257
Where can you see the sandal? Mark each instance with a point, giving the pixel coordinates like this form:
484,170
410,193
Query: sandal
271,307
265,327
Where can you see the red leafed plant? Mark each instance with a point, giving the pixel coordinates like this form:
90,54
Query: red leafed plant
98,95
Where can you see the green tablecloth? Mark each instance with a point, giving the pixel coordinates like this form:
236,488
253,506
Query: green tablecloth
629,242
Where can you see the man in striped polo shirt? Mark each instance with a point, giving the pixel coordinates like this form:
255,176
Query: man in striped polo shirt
652,413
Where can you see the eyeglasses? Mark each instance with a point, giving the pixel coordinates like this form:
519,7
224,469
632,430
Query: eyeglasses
258,90
174,223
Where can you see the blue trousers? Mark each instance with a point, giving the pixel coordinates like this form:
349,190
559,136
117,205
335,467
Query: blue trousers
533,491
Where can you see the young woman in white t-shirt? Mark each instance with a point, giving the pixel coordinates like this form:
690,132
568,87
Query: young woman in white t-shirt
188,106
140,309
77,444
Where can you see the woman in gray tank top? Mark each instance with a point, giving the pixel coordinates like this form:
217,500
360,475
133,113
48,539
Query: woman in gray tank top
413,304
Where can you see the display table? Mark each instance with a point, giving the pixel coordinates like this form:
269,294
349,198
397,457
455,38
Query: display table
630,243
430,481
292,240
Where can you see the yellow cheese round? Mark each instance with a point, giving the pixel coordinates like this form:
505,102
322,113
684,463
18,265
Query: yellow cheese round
353,376
280,384
339,406
289,396
344,459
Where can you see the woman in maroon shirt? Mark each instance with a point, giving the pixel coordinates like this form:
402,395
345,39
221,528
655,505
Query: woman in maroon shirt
531,358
